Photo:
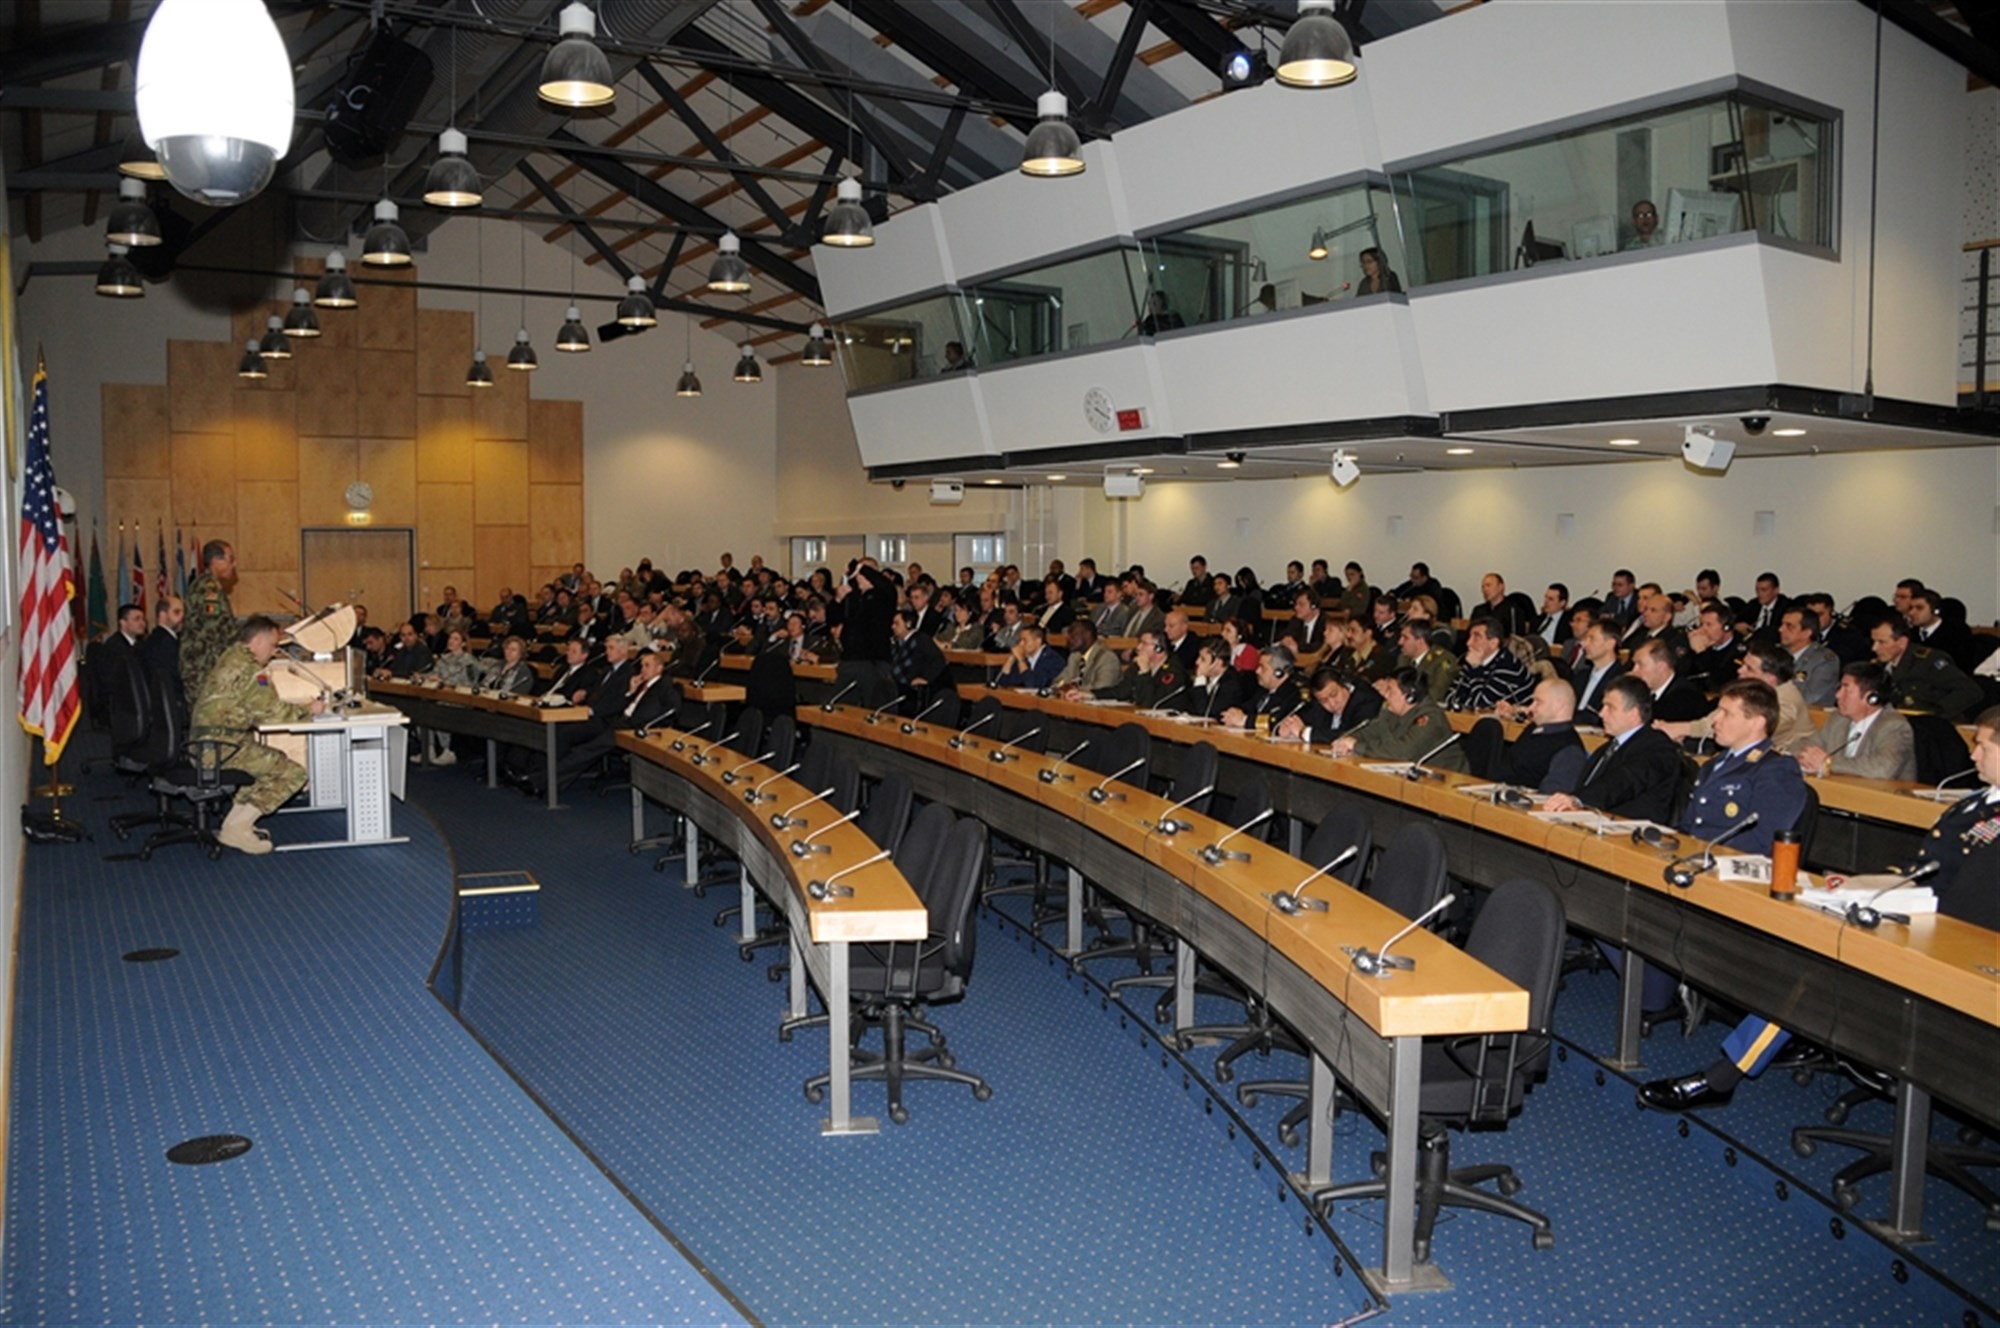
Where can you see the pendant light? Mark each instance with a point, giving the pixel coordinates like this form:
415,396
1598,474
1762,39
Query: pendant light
479,375
386,244
689,385
252,363
335,289
1317,52
275,345
1052,145
636,309
303,321
132,222
574,337
576,73
139,163
453,181
747,368
213,90
729,275
847,222
818,354
1318,249
522,358
117,279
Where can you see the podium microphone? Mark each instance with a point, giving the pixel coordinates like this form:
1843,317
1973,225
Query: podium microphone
1170,827
1004,753
755,795
1681,872
1215,855
805,847
1289,903
730,776
958,739
1049,775
1380,964
1866,916
910,725
826,706
1417,770
1098,793
784,820
680,744
827,889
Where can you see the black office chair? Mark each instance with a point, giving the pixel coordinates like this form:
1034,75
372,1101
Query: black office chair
1940,750
1109,759
749,732
770,685
1482,1080
1951,1163
889,981
781,739
887,814
1483,744
1196,772
196,777
166,738
1026,730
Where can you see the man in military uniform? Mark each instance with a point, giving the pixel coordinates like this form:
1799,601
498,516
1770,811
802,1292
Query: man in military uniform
1817,669
1966,839
1921,678
236,696
1154,676
211,623
1436,666
1411,725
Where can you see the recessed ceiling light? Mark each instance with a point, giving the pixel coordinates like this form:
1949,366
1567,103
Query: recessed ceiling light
1057,479
1788,433
1624,442
989,481
1458,451
1142,470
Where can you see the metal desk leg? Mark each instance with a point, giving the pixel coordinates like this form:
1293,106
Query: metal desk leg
746,895
838,1033
798,1007
1319,1125
692,871
1073,907
492,764
1184,974
638,816
1909,1151
1631,995
1295,837
1399,1270
549,750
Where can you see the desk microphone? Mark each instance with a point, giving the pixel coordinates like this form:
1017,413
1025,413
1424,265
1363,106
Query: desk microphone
1288,901
1969,770
1004,752
1681,872
1159,707
1099,794
1506,795
702,677
730,776
1170,827
1214,855
1865,915
1348,733
1417,770
805,847
753,796
784,820
910,725
680,744
702,757
1049,775
828,890
958,738
1381,964
827,705
876,713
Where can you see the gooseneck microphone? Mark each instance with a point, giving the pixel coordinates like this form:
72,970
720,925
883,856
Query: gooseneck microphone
1865,915
1289,902
1100,794
730,775
1381,963
705,755
1215,855
1159,706
1417,770
1005,752
805,847
827,705
1681,872
828,890
910,725
1049,775
680,744
1167,824
702,678
755,795
1948,779
785,820
876,713
958,738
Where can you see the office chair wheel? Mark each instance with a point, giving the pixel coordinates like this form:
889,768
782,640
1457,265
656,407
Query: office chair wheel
784,1033
982,1093
900,1114
775,974
1508,1185
1244,1095
1545,1240
1803,1077
1288,1136
1224,1071
746,954
1378,1163
659,864
1846,1197
1836,1113
814,1094
1804,1144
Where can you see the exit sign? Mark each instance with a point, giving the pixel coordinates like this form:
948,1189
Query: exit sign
1131,419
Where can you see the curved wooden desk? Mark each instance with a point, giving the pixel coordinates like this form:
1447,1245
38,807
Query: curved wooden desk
517,721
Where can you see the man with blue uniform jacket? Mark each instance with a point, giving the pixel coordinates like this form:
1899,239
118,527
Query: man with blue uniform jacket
1035,664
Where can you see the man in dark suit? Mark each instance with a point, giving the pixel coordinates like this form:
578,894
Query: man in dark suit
916,663
1762,614
1956,639
1277,694
1712,649
1215,685
1675,699
1055,615
1340,704
1178,641
1637,771
1511,611
1035,664
1089,585
160,654
1547,756
648,699
1621,605
1307,630
1552,624
118,681
579,675
1289,589
1198,591
1595,670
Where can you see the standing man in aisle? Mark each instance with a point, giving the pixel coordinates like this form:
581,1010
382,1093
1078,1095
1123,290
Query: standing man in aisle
211,624
236,696
868,601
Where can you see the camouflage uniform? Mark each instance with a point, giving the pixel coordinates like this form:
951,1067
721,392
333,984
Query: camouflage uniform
209,631
235,699
1407,736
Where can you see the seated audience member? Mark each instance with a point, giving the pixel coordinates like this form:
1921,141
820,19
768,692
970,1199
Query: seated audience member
1864,736
1770,665
1033,663
1178,640
1815,668
1713,651
1547,756
1674,697
1091,664
1921,678
1340,704
1153,678
1636,774
1276,696
1360,653
1491,672
1243,656
1935,631
1215,687
1432,663
1410,726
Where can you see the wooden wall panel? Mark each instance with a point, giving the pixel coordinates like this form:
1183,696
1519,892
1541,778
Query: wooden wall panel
387,318
326,467
325,391
259,592
204,473
137,432
555,442
142,504
500,482
267,523
389,466
267,436
555,524
444,440
444,525
385,394
444,350
500,557
201,384
501,411
431,582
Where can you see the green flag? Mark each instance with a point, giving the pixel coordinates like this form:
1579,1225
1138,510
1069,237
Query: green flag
97,611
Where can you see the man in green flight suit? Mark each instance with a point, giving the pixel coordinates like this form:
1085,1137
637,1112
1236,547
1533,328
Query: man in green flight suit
235,698
1411,725
211,623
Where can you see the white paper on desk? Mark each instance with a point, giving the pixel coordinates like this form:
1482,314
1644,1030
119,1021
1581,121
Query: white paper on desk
1744,867
1487,792
1112,702
1400,768
1906,899
1935,795
1595,822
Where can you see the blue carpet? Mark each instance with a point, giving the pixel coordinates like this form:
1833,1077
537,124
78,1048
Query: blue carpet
397,1174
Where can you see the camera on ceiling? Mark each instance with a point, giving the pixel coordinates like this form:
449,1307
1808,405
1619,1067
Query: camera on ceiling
1756,424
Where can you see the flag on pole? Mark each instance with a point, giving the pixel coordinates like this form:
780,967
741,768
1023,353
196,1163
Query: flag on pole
98,612
180,564
137,584
161,586
115,588
50,701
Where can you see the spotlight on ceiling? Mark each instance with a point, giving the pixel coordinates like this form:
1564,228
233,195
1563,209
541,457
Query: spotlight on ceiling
387,244
1230,461
275,345
132,222
576,73
1317,52
453,181
729,275
1701,449
213,90
1344,469
252,363
818,354
522,358
747,368
574,337
1244,69
303,320
689,385
480,374
635,311
117,279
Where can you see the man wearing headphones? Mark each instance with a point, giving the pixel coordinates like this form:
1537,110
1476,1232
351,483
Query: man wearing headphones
1863,736
1411,725
1278,696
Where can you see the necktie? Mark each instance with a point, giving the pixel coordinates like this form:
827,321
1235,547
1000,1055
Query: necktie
1854,736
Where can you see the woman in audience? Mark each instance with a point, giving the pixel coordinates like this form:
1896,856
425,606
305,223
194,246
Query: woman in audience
966,631
1242,655
1377,277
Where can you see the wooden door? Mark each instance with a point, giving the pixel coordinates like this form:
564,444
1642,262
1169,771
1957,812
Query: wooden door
372,567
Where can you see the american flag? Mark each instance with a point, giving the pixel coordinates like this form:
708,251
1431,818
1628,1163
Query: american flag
50,702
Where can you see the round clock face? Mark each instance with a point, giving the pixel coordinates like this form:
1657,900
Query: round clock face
359,495
1097,409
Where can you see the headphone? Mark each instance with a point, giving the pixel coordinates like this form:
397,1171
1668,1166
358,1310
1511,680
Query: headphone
1652,836
1875,680
1411,685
